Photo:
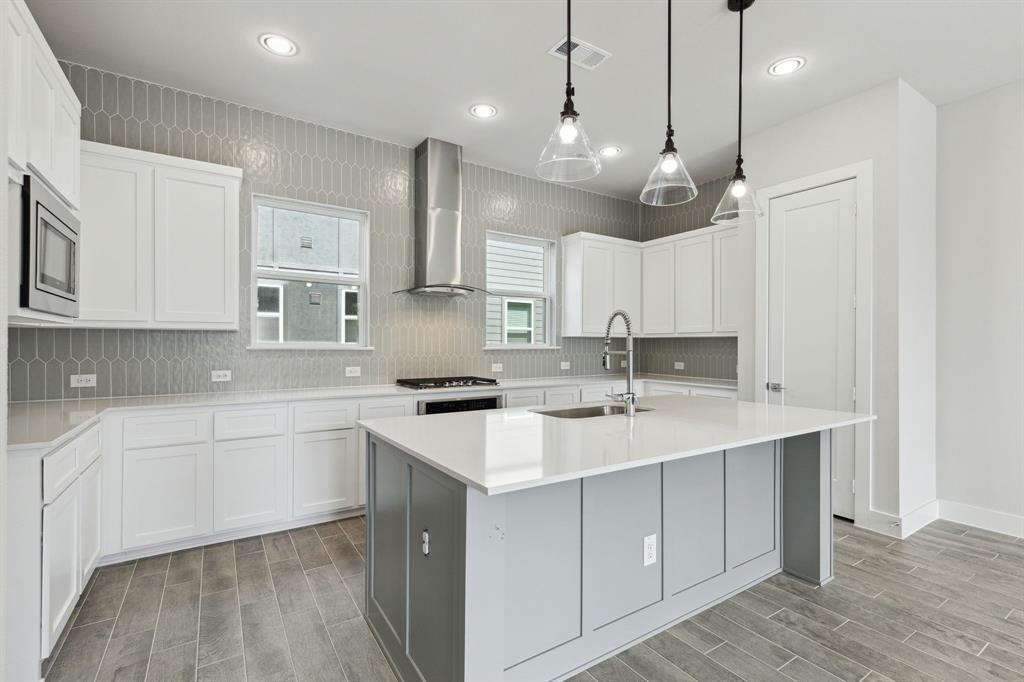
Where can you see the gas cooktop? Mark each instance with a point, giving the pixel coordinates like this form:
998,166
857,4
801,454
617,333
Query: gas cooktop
446,382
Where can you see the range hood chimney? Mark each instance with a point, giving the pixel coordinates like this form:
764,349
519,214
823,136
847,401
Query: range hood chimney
437,222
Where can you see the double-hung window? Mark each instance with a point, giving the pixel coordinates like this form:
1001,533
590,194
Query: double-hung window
310,266
521,283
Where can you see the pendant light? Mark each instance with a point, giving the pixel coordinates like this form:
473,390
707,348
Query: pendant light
568,156
669,183
738,204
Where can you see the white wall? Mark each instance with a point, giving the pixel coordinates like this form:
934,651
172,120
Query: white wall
916,290
981,309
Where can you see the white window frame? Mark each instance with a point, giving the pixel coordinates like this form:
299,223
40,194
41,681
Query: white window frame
549,295
362,280
280,308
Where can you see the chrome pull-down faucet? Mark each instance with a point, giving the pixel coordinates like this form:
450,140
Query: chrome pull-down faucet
630,398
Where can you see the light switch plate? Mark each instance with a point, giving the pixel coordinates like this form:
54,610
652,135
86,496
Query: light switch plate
353,371
497,367
219,375
650,549
83,380
564,365
679,365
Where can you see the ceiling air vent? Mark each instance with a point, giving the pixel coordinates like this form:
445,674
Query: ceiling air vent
583,54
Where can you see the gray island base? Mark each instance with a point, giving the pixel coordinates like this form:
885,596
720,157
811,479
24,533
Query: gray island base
542,582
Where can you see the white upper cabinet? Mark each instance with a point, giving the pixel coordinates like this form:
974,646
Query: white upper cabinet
600,274
44,113
694,285
196,246
159,241
728,293
659,307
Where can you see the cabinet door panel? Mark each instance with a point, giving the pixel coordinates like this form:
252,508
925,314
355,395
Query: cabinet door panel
389,541
595,392
326,471
561,396
659,302
40,112
15,55
598,286
117,255
694,286
523,398
727,289
67,116
167,493
694,520
196,247
433,577
90,486
250,482
627,268
619,510
60,565
750,503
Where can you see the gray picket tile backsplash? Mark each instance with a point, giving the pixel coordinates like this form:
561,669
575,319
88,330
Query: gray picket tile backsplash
411,336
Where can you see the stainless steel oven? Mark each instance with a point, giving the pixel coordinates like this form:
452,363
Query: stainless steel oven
49,251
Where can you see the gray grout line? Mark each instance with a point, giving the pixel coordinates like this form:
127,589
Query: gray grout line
787,662
238,600
106,647
320,613
159,612
199,608
983,649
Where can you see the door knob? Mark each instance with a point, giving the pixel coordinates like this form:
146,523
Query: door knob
776,387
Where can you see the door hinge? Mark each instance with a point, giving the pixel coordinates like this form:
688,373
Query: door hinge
855,209
854,394
855,301
853,486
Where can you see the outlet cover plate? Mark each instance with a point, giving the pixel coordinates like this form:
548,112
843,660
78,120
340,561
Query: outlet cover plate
353,371
497,367
679,365
219,375
83,380
650,549
564,365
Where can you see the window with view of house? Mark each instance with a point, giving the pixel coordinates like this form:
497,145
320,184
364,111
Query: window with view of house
520,281
309,275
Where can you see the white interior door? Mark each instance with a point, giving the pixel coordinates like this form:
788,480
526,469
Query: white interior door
812,315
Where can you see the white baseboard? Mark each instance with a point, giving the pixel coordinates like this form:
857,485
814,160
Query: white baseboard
980,517
918,519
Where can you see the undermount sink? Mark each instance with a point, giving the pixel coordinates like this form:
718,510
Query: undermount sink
586,412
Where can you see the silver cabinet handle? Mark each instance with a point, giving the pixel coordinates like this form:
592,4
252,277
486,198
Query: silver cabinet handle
426,542
776,387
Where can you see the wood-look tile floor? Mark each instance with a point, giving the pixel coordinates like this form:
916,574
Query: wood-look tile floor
946,604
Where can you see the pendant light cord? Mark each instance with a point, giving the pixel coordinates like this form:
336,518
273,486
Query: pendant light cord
739,115
569,109
669,132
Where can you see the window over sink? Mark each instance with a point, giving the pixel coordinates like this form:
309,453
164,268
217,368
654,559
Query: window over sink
310,271
521,285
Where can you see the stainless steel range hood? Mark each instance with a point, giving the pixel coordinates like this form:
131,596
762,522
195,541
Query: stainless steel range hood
437,189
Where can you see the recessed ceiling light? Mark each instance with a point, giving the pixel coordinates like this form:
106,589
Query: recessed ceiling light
610,151
275,43
786,66
483,111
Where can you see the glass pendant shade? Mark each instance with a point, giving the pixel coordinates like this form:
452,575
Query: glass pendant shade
568,156
738,204
669,182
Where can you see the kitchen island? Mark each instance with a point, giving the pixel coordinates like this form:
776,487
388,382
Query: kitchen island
514,545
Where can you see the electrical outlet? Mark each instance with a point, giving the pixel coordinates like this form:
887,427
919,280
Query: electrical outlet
623,363
564,365
83,380
219,375
650,549
497,367
679,365
353,371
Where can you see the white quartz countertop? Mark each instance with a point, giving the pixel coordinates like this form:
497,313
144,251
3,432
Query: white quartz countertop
46,423
500,451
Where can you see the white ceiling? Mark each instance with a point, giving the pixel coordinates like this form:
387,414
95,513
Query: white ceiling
401,70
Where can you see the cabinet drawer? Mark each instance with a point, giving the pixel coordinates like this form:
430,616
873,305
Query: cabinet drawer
249,423
666,389
387,408
524,398
158,430
562,396
704,392
589,394
88,446
325,416
59,470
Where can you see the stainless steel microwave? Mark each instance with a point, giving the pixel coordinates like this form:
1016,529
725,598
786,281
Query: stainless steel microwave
49,251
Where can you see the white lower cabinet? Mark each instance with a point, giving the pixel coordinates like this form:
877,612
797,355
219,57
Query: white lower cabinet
168,492
61,564
90,492
524,397
562,396
665,389
250,482
326,471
